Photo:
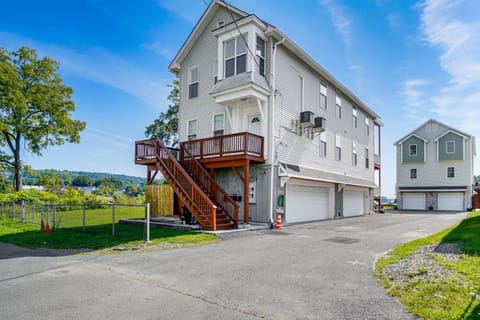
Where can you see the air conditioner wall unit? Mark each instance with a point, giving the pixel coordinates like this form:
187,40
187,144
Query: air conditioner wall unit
320,124
306,118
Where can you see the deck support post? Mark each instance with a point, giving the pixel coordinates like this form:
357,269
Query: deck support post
246,174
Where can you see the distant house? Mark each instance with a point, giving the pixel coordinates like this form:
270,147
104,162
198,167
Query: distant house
435,168
31,187
269,124
87,190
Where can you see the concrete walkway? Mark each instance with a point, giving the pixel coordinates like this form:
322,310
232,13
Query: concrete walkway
312,271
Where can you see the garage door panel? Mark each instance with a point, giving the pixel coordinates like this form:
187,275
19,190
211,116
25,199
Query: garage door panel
306,203
353,203
450,201
414,201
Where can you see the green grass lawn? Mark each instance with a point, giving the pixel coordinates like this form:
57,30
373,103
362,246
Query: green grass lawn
74,218
96,237
455,297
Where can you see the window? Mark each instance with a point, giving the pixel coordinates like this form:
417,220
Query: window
193,82
218,124
367,126
338,148
192,130
413,173
323,95
354,116
260,52
367,159
354,154
450,146
235,56
338,106
450,172
323,144
412,150
215,71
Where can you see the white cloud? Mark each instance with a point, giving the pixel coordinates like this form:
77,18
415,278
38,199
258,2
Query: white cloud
416,100
187,10
453,26
340,20
160,49
100,66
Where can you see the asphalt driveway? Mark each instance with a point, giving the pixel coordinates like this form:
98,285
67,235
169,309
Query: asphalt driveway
311,271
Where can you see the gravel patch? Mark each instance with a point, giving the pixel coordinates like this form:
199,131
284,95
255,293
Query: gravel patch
422,264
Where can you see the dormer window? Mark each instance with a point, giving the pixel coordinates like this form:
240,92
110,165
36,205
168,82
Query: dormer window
235,56
412,150
260,53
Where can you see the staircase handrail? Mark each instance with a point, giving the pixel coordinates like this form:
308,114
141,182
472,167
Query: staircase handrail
229,206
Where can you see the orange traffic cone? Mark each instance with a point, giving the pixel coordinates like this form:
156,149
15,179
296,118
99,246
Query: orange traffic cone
42,227
279,225
47,228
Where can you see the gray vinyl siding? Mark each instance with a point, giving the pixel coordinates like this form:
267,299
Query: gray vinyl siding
202,108
433,173
302,150
419,157
232,184
442,147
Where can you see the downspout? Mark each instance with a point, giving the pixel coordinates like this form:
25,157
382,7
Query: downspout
273,154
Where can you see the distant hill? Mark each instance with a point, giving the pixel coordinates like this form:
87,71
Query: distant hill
31,179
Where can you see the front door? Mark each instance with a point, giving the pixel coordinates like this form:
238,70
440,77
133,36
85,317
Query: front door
254,124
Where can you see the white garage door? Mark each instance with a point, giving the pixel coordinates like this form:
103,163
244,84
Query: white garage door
450,201
414,201
353,203
306,203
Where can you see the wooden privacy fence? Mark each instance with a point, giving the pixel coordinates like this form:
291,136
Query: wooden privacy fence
160,198
476,200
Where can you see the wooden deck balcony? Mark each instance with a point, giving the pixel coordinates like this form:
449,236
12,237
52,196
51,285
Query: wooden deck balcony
226,150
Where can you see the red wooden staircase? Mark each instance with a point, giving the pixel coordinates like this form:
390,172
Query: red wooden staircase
205,199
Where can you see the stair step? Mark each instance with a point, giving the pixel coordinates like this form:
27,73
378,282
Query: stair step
224,226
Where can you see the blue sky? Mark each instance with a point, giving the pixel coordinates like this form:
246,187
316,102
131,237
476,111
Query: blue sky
408,60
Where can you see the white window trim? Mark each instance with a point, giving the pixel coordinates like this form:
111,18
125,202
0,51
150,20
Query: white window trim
410,150
213,121
190,80
323,138
242,37
188,127
323,92
264,56
454,146
354,152
338,105
453,172
338,144
416,173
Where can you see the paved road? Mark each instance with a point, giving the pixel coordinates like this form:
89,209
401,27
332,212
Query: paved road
312,271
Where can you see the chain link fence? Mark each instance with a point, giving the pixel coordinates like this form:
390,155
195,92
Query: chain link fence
73,215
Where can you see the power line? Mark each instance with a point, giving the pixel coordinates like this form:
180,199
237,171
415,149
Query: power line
246,43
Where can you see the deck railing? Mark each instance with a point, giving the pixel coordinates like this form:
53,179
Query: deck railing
244,143
193,196
208,183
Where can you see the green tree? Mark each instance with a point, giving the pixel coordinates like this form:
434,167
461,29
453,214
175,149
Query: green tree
132,190
110,183
82,181
51,181
165,127
35,108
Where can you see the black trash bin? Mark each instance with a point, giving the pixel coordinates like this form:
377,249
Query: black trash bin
187,215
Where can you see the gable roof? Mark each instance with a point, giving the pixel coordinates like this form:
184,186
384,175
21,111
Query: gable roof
451,129
277,35
198,30
409,136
